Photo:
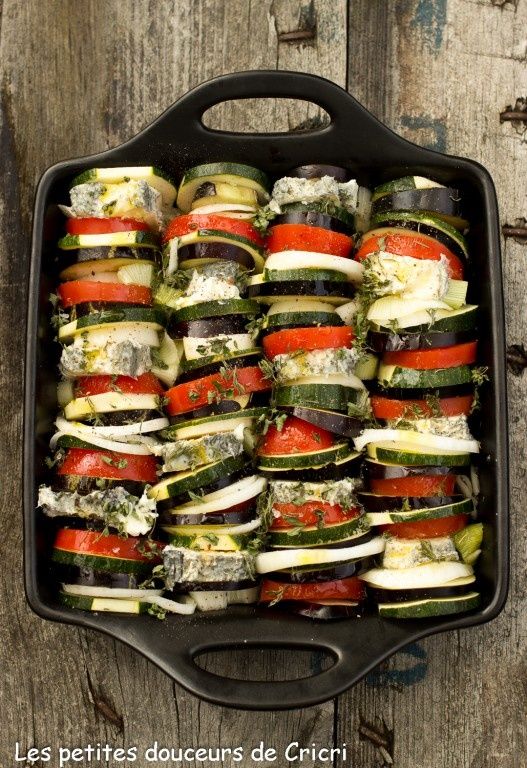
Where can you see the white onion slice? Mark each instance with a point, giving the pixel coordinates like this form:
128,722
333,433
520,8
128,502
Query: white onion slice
172,606
227,497
122,430
245,211
102,442
440,442
123,594
310,260
418,577
267,562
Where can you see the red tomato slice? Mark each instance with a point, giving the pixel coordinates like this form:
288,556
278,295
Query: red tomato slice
351,588
296,436
310,513
291,340
426,529
106,545
146,384
428,359
183,225
195,394
302,237
387,408
94,226
415,485
92,462
82,291
416,245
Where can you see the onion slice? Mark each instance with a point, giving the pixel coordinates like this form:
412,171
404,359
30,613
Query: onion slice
123,430
422,439
123,594
418,577
285,558
101,442
172,606
227,497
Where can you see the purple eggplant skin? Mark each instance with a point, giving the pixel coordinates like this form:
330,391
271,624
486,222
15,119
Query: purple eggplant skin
312,610
223,406
376,470
338,423
377,503
382,341
318,170
314,219
310,288
314,575
439,201
89,577
395,393
208,369
212,326
404,595
83,484
120,418
184,587
219,251
208,518
214,409
79,255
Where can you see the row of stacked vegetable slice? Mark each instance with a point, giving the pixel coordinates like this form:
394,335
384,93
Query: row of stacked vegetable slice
252,311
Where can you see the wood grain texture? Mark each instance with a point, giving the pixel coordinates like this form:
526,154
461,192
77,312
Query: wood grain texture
78,76
457,700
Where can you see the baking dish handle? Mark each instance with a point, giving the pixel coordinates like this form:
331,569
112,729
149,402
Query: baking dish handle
348,118
350,656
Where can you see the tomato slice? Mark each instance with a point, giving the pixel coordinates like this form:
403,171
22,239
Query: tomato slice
351,588
426,529
146,384
92,462
82,291
415,485
94,226
219,386
302,237
388,408
184,225
107,545
414,244
295,436
291,340
310,513
428,359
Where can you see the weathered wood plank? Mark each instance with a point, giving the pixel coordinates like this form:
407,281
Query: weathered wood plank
76,78
456,700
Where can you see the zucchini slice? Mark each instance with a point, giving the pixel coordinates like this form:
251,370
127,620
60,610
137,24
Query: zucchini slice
183,482
307,459
412,455
110,239
412,378
234,174
426,609
404,184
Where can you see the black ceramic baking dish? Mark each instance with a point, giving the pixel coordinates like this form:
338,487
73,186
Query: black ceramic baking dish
355,139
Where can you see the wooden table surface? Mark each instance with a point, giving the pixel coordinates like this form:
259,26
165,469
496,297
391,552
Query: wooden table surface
78,76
